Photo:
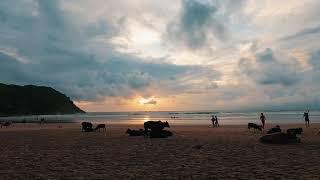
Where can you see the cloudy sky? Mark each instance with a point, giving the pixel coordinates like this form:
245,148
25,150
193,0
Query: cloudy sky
125,55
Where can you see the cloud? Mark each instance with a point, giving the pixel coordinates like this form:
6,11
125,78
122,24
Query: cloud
315,59
304,32
197,25
150,101
265,68
70,56
189,49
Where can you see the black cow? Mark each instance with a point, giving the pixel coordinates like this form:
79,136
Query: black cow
254,126
100,126
160,134
275,138
6,124
139,132
86,126
274,129
292,133
155,126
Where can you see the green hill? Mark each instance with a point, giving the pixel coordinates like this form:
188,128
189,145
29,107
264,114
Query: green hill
34,100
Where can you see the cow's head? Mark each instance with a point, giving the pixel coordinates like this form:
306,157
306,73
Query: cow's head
166,124
128,131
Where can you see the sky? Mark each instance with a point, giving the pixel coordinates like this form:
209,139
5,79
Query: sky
150,55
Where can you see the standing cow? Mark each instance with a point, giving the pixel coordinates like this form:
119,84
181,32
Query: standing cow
155,126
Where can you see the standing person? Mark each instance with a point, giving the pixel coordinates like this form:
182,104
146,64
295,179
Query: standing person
216,123
213,121
306,118
263,119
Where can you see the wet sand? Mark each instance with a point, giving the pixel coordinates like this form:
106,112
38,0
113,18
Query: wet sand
30,151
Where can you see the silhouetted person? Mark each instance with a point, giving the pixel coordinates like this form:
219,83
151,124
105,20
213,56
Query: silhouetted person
306,118
216,123
213,119
263,120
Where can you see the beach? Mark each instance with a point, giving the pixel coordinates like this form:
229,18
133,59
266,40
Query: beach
62,151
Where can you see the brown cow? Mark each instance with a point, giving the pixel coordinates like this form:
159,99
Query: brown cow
100,126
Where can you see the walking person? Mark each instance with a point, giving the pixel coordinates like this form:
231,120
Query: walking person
306,118
216,123
213,120
263,119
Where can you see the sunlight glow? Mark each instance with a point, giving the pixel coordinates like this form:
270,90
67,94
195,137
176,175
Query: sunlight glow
147,101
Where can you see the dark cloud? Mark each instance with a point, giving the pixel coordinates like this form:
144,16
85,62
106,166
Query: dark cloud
266,69
196,24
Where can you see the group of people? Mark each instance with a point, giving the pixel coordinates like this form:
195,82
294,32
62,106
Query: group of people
214,120
305,116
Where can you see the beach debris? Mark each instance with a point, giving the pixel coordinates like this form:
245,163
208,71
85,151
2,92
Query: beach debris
86,127
100,126
274,129
254,126
139,132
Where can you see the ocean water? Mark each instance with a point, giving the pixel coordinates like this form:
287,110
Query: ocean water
177,117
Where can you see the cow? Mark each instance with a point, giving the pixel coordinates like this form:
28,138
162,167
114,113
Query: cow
86,126
160,134
155,126
254,126
292,133
274,129
100,126
42,121
6,124
139,132
275,138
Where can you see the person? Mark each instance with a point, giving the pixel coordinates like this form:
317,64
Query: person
263,120
306,118
213,120
216,123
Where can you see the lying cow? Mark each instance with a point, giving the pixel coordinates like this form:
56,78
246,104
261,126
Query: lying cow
160,134
274,130
155,126
275,138
292,133
139,132
254,126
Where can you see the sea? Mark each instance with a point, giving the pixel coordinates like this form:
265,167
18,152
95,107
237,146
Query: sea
175,117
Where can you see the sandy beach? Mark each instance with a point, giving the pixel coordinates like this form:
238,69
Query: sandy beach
62,151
